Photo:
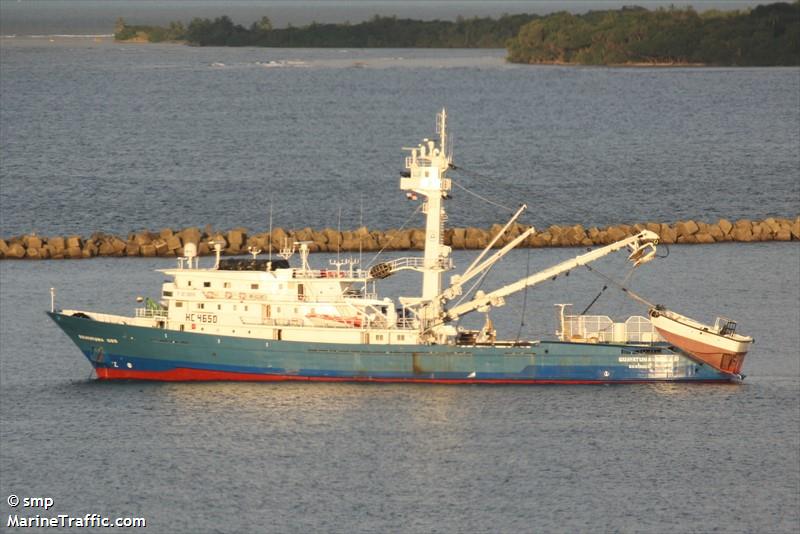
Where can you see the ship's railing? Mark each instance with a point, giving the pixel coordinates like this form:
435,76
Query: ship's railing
328,273
410,262
354,293
402,324
601,329
405,323
150,313
279,322
639,329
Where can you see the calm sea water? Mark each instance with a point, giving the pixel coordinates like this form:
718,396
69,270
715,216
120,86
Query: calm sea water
101,136
110,137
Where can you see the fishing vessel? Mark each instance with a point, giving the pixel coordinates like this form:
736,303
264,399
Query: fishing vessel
277,319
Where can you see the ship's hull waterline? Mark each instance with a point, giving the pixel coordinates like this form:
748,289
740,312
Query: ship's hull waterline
126,352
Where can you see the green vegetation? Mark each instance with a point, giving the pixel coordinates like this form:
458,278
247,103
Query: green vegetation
153,34
766,35
378,32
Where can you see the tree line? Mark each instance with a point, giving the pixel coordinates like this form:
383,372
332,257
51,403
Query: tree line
765,35
377,32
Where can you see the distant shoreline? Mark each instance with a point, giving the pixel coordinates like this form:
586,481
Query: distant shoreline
626,37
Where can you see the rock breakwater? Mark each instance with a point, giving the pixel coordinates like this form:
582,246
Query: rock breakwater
169,242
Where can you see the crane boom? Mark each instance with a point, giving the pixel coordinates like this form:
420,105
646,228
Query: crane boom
638,244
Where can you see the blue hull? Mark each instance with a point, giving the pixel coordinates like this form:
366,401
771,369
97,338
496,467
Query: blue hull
130,352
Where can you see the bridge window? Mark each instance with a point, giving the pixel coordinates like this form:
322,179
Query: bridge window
206,284
226,285
200,306
167,293
253,286
179,304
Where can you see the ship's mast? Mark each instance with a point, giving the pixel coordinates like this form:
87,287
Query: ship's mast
427,165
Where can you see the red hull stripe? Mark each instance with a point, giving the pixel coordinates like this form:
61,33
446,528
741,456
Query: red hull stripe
186,375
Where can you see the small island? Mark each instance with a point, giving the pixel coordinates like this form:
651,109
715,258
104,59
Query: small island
768,35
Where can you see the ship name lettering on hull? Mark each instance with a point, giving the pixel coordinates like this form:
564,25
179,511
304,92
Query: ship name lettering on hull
201,317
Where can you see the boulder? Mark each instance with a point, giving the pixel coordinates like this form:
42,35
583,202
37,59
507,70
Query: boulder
704,238
161,246
319,237
32,241
370,244
350,244
15,250
148,250
74,241
653,227
542,239
216,238
473,243
546,239
33,253
166,233
761,232
89,250
190,235
57,243
743,234
119,246
280,238
555,232
404,240
3,247
773,225
132,249
668,235
615,233
574,236
105,249
686,228
458,239
726,226
55,253
235,238
173,242
143,238
418,239
783,235
74,253
716,232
